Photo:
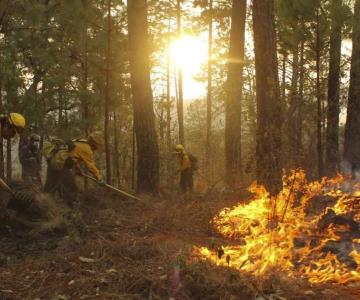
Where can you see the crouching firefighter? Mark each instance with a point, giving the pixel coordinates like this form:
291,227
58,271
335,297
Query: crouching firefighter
66,159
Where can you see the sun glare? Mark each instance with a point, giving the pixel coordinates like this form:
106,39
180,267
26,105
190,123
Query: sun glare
191,54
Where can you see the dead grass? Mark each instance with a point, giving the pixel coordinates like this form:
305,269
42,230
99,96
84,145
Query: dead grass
118,249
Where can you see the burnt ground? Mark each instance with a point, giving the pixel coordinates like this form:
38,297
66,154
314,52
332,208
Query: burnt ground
113,248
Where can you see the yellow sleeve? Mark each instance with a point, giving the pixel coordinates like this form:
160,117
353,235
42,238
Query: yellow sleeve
90,164
83,153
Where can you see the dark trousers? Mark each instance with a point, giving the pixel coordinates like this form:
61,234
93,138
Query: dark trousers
186,180
61,182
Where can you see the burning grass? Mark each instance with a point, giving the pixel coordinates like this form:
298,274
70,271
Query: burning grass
308,230
117,249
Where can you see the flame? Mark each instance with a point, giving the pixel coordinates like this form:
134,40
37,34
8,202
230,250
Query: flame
287,232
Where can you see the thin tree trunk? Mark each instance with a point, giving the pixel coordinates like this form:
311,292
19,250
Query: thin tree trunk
2,163
107,98
209,93
180,105
318,96
299,118
293,111
269,109
84,83
168,96
116,151
144,119
333,110
352,128
234,94
283,77
133,162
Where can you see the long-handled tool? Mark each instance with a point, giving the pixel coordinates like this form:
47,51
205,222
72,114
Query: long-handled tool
110,187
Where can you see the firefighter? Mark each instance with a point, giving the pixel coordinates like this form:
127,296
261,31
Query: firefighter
29,156
11,124
75,160
186,169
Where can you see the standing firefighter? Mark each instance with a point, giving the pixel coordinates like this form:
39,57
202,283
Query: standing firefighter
188,164
11,124
65,159
29,156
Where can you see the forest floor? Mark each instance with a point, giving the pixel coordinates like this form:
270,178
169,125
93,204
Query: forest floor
112,248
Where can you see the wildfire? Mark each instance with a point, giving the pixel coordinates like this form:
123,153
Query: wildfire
309,229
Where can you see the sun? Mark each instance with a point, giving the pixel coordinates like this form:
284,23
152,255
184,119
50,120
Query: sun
190,53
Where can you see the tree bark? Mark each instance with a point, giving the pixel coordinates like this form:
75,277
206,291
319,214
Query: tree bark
269,109
144,120
352,128
333,109
234,94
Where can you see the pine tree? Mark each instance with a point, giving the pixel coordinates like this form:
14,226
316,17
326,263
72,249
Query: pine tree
269,110
146,139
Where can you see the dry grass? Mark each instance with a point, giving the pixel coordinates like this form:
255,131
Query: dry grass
118,249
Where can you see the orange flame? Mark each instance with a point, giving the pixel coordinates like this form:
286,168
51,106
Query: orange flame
283,232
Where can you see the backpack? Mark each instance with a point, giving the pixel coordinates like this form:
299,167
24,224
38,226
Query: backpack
56,152
194,162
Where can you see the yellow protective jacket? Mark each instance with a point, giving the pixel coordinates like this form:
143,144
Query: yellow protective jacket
83,154
185,162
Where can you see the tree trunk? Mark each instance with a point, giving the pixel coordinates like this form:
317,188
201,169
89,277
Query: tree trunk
234,94
107,98
144,120
209,93
293,111
2,163
116,150
299,119
269,109
318,96
168,96
352,128
180,104
283,77
333,110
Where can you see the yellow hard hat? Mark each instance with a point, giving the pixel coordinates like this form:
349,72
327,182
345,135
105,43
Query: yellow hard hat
17,120
179,148
98,138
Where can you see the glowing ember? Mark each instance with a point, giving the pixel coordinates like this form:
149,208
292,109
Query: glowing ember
308,230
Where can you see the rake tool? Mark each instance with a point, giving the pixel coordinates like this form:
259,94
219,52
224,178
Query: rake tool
23,200
110,187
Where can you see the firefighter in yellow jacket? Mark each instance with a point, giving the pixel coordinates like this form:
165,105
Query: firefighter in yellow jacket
77,159
186,169
11,124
